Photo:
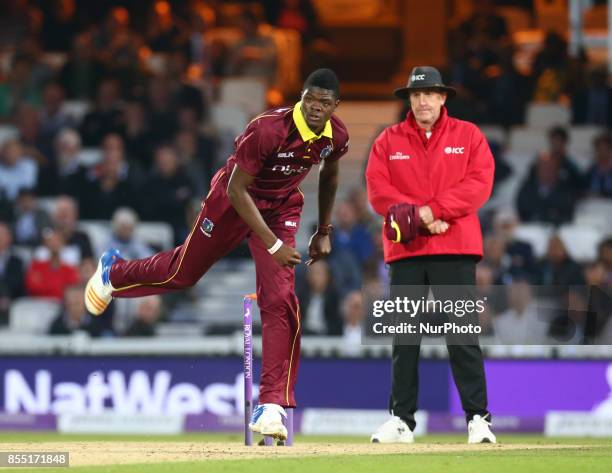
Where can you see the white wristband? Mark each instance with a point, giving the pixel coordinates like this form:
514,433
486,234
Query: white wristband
276,246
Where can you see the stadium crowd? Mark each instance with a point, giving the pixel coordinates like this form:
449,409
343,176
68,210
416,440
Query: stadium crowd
145,149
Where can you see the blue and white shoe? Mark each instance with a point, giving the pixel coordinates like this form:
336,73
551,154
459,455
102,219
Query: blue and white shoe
98,292
267,420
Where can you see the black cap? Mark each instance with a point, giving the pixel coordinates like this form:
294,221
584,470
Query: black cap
424,77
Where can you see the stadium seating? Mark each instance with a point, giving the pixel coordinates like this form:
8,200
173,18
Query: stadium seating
581,241
7,132
32,315
542,116
77,109
155,234
536,234
595,212
99,232
245,92
228,117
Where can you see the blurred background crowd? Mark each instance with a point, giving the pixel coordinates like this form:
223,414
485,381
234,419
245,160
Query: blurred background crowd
115,115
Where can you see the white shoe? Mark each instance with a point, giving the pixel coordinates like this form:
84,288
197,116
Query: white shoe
267,420
395,430
98,292
479,431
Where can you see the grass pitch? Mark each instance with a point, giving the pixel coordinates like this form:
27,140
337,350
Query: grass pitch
213,453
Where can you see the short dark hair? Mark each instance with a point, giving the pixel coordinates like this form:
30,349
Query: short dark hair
323,79
558,132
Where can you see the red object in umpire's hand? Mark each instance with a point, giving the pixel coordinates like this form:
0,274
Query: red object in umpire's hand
402,222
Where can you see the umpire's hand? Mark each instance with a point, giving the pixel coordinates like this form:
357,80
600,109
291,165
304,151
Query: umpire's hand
437,227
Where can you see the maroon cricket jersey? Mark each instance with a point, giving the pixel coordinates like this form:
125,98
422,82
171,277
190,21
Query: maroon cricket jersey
278,149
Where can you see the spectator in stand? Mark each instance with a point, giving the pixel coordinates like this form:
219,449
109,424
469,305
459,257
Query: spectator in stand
60,24
255,54
544,196
558,140
41,72
65,219
197,150
521,324
351,236
73,316
298,15
353,312
123,224
503,170
27,121
599,175
592,104
518,255
486,288
358,197
138,139
183,90
17,170
509,94
15,23
53,116
50,277
164,28
109,185
549,69
118,48
319,301
599,304
106,116
161,113
604,256
29,219
18,87
70,178
81,74
557,268
11,273
167,192
148,313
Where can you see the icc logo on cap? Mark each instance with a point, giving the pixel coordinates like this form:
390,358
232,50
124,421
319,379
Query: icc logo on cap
418,77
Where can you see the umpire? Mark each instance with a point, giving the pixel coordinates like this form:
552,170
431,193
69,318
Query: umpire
428,176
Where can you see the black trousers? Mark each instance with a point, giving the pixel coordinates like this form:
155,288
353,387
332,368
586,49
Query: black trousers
466,360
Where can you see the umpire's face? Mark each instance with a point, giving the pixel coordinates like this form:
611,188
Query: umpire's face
426,105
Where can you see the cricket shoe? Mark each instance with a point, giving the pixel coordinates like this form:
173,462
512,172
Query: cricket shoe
267,420
479,431
98,292
395,430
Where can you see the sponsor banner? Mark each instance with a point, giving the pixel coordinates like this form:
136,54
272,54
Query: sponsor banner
27,422
531,388
193,385
113,423
351,421
578,424
445,423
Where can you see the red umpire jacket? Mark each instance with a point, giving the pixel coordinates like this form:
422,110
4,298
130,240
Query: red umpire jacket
452,172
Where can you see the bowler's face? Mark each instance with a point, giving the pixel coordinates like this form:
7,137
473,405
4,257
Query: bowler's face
318,105
426,105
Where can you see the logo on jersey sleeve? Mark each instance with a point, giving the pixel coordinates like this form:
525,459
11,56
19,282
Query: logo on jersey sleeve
207,227
289,154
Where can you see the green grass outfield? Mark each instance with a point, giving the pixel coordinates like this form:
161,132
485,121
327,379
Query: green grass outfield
589,455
